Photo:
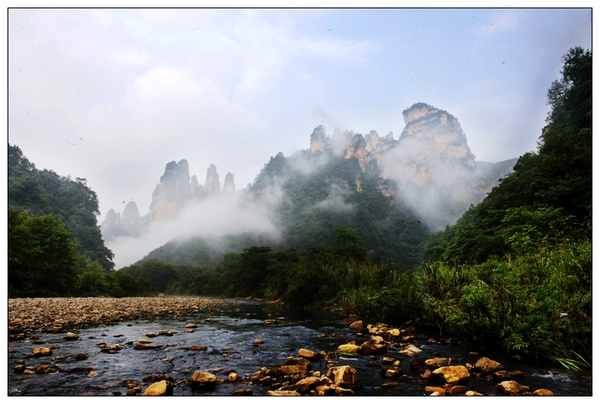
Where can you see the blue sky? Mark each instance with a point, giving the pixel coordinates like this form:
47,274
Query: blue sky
113,95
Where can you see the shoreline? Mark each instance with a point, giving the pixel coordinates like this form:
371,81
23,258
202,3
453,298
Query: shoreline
27,316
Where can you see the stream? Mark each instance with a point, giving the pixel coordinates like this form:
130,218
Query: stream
230,335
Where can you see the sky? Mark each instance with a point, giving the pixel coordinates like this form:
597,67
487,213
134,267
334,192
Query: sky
113,95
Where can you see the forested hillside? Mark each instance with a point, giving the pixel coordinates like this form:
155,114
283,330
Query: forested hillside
516,270
54,242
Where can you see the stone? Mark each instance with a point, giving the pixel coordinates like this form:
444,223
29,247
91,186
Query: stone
204,380
348,349
453,374
71,336
167,333
542,392
458,389
486,365
310,355
435,363
343,376
283,393
509,388
303,386
161,388
372,347
197,348
41,351
472,393
434,389
143,345
356,325
340,391
508,374
258,342
242,392
80,356
190,325
233,377
410,350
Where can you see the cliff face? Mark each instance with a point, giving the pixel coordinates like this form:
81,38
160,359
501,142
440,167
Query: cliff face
175,190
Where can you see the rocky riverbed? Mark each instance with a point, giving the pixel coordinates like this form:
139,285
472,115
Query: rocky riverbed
196,346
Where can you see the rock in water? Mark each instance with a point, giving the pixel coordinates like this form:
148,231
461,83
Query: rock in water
162,388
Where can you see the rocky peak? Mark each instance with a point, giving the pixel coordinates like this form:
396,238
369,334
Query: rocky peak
172,192
229,185
212,184
437,133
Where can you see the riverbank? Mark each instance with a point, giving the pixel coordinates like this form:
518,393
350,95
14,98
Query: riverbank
28,316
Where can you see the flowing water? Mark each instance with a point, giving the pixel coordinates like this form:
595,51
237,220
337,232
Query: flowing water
229,336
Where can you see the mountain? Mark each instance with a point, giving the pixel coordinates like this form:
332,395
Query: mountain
391,192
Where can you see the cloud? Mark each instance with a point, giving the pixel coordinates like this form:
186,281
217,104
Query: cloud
213,219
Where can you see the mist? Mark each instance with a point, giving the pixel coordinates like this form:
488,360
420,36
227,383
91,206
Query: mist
213,218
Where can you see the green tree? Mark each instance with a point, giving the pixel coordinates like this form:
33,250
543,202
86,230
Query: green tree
41,256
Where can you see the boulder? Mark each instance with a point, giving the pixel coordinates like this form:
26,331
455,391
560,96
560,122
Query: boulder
204,380
71,336
509,388
161,388
310,355
543,392
283,393
374,346
41,351
453,374
435,363
409,350
458,390
307,384
348,349
434,389
357,325
343,376
486,365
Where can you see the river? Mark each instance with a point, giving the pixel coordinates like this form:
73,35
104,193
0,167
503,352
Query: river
230,336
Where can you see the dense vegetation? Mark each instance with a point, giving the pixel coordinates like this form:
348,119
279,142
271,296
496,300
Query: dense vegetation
513,274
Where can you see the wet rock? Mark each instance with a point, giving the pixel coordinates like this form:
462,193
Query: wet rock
472,393
351,349
343,376
190,325
283,393
41,351
340,391
508,374
306,384
204,380
258,342
197,348
80,356
310,355
409,350
71,336
233,377
356,325
435,363
453,374
390,372
542,392
372,347
242,392
434,389
167,333
486,365
509,388
458,390
161,388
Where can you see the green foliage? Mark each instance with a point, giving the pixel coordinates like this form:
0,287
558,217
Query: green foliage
43,192
41,255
